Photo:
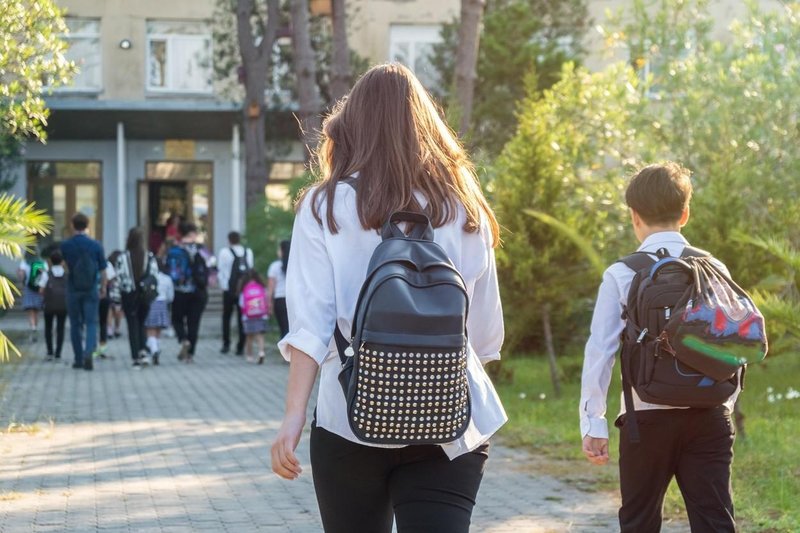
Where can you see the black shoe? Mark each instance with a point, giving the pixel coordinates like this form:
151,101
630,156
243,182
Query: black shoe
225,350
239,351
88,365
77,366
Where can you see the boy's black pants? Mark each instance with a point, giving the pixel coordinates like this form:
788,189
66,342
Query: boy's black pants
187,310
60,321
693,445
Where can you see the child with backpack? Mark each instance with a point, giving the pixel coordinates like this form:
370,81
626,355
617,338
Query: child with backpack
405,408
54,296
30,273
158,317
187,266
254,303
675,420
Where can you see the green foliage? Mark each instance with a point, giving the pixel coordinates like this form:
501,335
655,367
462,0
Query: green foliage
20,224
10,156
519,37
729,111
31,58
268,224
565,163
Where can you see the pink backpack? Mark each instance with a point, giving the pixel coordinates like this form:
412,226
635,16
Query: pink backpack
254,300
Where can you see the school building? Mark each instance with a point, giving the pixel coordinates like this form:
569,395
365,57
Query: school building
145,131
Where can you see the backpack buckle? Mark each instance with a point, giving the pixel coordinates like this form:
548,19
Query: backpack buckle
642,336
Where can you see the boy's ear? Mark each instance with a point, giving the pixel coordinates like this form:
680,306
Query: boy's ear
635,218
684,217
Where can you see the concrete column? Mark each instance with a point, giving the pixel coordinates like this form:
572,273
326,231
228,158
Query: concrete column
236,181
121,184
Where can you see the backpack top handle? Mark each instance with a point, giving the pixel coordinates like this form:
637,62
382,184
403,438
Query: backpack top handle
661,263
422,229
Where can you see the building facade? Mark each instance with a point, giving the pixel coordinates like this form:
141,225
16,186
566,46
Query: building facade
143,132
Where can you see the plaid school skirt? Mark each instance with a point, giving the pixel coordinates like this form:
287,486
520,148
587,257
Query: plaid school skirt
254,325
158,316
31,299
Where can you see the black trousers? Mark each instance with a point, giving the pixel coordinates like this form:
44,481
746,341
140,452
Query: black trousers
61,320
281,315
230,302
187,310
693,445
105,305
361,488
135,309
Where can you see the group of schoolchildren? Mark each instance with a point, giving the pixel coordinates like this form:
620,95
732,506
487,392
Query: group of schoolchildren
156,292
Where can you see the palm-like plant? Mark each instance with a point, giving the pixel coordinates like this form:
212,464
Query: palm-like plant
20,225
778,296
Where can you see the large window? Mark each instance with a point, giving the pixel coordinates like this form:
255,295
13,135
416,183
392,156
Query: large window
63,188
280,177
83,39
178,57
413,46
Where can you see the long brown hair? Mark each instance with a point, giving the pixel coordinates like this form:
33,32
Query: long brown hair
135,245
389,131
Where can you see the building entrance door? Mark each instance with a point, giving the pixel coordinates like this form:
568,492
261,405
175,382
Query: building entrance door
172,190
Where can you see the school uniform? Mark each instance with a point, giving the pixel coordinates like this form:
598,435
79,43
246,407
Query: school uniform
32,300
436,483
694,445
52,318
230,303
158,315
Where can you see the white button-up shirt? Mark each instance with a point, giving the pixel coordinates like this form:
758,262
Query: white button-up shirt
225,258
323,279
603,343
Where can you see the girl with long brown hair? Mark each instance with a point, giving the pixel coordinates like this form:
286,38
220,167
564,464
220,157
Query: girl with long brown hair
385,148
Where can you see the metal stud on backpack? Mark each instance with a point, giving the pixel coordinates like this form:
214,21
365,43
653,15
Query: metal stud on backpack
404,368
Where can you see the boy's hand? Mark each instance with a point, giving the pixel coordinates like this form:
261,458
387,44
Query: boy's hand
595,450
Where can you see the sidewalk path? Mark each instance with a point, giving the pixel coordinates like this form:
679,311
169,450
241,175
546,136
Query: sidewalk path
186,448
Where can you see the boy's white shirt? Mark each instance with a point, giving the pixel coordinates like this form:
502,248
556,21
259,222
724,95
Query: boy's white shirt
604,340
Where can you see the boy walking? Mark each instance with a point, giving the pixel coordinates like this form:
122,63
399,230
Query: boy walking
233,263
86,284
186,264
695,445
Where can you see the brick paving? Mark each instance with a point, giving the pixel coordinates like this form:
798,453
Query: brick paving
186,448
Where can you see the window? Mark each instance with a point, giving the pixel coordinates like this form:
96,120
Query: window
83,39
413,46
178,57
63,188
179,170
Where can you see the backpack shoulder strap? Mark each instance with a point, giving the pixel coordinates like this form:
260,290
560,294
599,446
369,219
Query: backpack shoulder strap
351,181
691,251
637,261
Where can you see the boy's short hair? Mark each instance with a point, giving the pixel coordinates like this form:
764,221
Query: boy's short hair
185,228
80,222
234,237
660,193
56,258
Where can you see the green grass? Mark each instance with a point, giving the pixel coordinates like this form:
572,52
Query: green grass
766,471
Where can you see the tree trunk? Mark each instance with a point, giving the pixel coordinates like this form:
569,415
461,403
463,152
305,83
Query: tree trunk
256,61
305,69
469,34
341,71
551,352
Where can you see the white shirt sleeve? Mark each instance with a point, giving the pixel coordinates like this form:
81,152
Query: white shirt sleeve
310,289
224,264
249,258
272,271
599,355
485,327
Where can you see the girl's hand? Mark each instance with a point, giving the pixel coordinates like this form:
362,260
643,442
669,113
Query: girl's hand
284,460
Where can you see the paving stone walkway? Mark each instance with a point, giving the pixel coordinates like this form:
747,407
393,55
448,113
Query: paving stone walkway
186,448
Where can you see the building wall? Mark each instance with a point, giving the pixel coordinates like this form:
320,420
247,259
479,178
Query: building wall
370,20
124,70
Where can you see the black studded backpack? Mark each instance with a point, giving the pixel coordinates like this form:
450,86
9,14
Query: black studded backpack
404,367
